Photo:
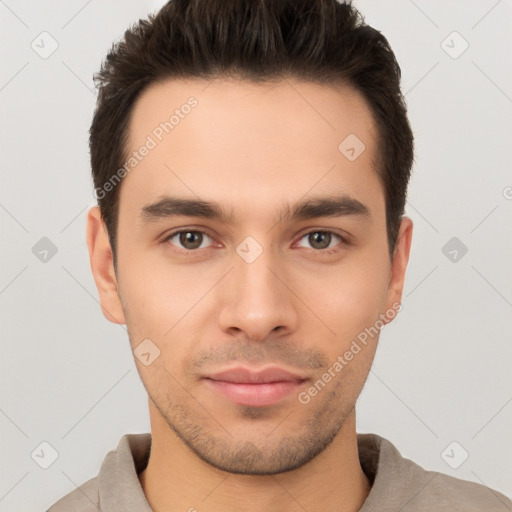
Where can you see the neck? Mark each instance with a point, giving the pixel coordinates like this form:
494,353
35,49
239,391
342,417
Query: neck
175,479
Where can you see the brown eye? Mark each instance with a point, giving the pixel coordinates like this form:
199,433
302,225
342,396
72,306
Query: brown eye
188,240
320,240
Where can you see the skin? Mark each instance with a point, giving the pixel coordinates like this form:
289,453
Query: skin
299,305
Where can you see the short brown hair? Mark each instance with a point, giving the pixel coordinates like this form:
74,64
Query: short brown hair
321,41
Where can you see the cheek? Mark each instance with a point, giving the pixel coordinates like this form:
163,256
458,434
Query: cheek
350,298
155,293
162,305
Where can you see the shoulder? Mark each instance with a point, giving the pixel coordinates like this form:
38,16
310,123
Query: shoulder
455,494
399,483
116,487
84,498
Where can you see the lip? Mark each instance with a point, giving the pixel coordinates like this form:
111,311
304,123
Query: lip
256,388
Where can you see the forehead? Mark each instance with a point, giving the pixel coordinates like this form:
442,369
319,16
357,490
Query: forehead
239,108
232,137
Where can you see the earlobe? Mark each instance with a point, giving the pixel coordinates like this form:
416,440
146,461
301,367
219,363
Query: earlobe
399,264
102,266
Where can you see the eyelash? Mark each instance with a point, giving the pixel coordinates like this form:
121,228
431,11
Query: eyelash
326,250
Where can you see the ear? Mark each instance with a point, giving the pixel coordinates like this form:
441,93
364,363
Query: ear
399,265
102,266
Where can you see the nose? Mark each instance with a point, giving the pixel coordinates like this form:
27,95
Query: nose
257,300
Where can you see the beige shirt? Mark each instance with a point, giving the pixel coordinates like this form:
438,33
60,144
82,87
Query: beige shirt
398,484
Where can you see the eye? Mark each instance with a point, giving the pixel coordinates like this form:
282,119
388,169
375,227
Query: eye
189,239
320,240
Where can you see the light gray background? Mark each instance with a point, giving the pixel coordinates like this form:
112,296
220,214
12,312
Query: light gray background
442,371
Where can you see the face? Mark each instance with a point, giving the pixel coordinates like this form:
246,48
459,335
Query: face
253,267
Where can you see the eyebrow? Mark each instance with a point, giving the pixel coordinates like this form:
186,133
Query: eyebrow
329,206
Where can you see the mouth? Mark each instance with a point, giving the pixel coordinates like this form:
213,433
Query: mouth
255,388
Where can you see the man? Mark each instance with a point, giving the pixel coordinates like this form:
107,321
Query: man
251,163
